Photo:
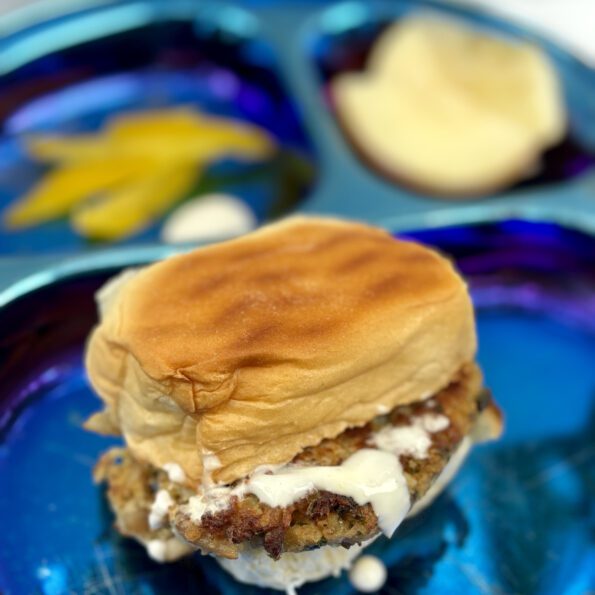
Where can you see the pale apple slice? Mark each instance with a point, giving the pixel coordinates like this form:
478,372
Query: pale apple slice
449,109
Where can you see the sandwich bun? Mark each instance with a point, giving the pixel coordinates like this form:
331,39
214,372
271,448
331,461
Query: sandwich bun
244,353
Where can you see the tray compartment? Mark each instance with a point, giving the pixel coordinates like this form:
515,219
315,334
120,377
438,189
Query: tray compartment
534,287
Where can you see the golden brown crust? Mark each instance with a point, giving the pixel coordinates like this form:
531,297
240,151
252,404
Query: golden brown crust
254,349
322,517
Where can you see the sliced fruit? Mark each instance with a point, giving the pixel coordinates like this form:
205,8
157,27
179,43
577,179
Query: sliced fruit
140,164
54,148
61,189
449,109
164,134
128,209
189,134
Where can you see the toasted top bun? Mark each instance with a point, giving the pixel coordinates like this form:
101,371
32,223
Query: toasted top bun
243,353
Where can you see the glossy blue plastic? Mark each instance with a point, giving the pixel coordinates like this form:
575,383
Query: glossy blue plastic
520,516
265,62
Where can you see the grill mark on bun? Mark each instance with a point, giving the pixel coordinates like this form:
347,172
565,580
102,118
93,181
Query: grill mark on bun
386,286
271,277
255,335
246,253
209,284
316,330
337,239
356,262
233,311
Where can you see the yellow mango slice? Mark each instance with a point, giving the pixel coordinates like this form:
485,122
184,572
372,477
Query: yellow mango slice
156,123
68,148
61,189
128,209
189,134
141,163
206,146
167,134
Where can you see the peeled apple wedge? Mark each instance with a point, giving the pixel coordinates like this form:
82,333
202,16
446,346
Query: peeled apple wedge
451,110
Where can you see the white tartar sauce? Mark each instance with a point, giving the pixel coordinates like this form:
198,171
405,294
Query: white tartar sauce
368,574
369,476
159,509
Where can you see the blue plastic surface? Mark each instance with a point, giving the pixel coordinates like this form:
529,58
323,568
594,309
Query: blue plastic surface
290,42
518,519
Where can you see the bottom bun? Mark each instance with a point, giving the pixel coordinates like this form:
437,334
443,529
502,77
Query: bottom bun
292,570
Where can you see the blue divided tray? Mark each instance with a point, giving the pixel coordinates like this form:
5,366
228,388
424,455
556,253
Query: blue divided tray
518,519
268,64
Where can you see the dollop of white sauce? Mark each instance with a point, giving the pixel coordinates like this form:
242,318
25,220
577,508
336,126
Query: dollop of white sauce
159,508
208,217
175,473
211,501
433,422
210,462
412,440
368,476
406,440
368,574
166,550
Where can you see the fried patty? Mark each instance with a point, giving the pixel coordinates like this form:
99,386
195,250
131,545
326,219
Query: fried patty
321,518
